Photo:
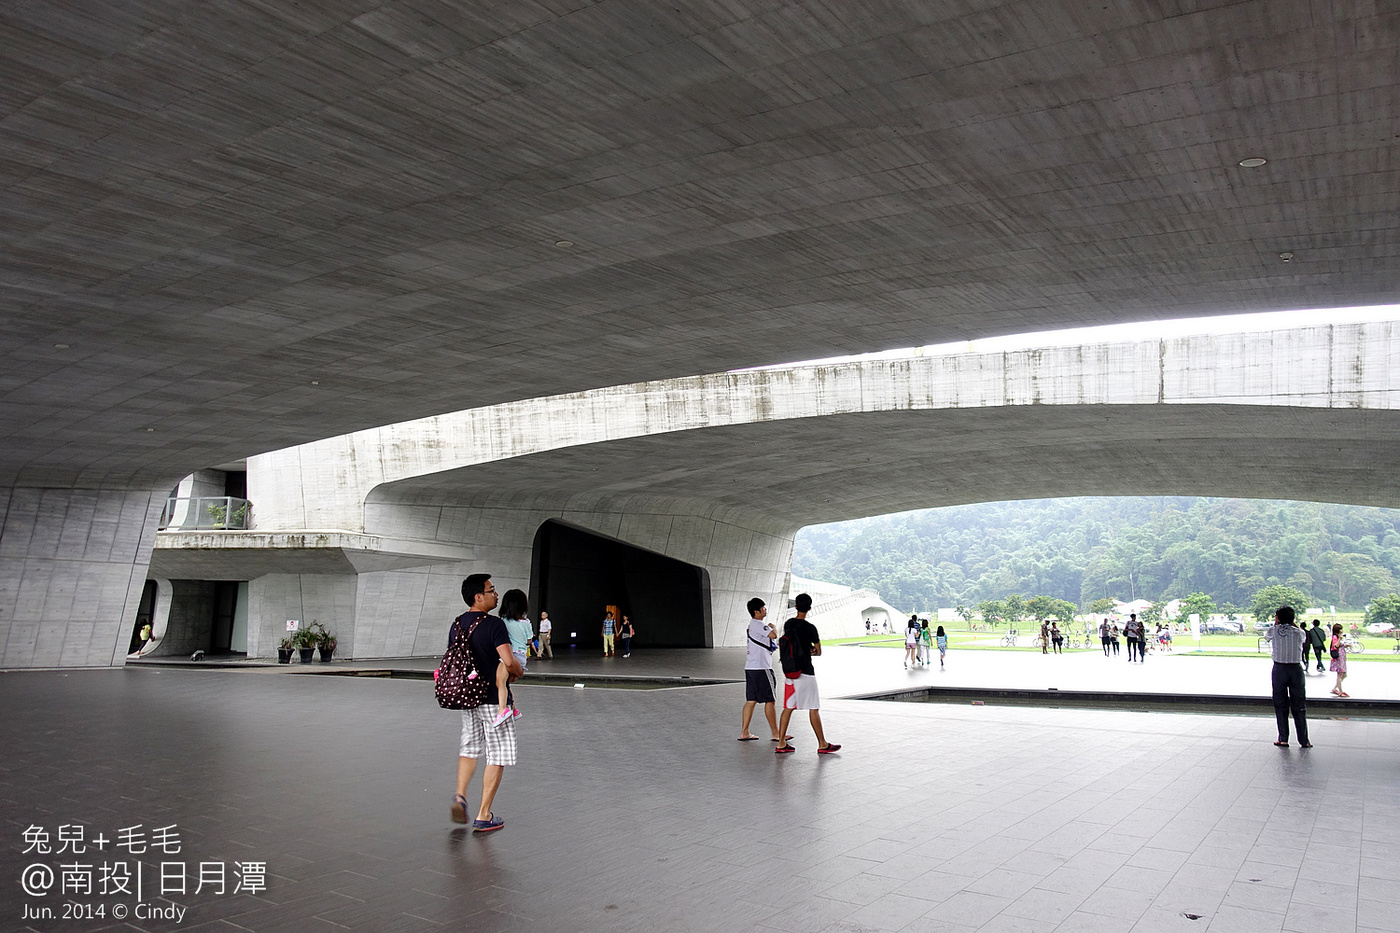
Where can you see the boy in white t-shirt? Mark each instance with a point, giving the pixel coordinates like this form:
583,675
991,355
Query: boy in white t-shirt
759,680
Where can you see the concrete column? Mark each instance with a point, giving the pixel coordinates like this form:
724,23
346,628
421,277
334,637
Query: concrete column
72,566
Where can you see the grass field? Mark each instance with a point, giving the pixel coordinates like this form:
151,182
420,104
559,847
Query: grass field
1378,648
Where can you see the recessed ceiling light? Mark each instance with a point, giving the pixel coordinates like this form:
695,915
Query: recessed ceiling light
150,430
1286,257
563,244
1253,162
61,346
314,382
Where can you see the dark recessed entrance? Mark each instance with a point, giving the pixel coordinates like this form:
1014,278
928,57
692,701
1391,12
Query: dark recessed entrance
576,574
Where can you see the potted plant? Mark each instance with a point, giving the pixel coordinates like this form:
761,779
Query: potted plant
325,641
284,651
305,641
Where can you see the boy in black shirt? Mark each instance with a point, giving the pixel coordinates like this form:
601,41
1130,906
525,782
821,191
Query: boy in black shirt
800,687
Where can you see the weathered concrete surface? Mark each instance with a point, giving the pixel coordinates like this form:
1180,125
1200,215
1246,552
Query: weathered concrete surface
256,224
721,471
72,565
1309,412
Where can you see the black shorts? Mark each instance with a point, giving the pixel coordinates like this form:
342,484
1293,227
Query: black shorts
759,686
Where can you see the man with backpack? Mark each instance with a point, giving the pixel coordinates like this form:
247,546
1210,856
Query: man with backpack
800,641
489,645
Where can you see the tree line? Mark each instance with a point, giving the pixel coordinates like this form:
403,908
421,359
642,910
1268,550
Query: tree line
1084,550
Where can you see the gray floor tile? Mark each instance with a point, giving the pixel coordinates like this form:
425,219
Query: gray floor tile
637,811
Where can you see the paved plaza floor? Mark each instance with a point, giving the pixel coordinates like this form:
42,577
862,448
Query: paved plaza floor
850,670
636,810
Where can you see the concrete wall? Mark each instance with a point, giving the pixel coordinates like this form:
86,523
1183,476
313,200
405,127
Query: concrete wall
72,566
330,599
402,613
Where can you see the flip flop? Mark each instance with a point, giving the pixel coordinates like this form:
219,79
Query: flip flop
1281,744
787,738
748,738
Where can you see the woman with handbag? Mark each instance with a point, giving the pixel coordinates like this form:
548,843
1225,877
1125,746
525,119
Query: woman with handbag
1339,659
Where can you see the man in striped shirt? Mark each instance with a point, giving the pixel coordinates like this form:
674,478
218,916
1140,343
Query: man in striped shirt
1289,693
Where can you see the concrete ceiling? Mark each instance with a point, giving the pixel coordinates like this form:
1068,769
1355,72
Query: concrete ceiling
254,224
813,470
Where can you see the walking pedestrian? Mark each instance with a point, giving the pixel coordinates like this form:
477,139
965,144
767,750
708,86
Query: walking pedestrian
626,633
1057,638
1116,642
801,642
1339,659
489,643
759,682
1104,638
942,646
1317,641
609,631
911,642
1134,635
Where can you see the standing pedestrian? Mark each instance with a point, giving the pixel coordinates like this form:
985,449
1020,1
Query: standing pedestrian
489,643
1045,637
800,643
1339,659
626,633
759,682
1057,638
1290,692
546,627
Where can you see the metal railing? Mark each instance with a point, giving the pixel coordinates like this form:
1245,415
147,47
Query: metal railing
207,513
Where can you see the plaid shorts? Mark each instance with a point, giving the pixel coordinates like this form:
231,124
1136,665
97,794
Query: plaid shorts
479,739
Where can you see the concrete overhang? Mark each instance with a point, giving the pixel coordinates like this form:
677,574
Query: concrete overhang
245,555
1303,413
230,230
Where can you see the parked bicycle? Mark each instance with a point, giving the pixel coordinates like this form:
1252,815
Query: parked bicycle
1009,639
1353,644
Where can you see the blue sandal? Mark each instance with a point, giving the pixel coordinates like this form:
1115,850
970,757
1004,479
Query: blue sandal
491,824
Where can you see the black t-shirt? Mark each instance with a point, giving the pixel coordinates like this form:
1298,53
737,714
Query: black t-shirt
489,635
803,635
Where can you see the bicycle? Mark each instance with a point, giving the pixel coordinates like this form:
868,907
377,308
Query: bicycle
1353,644
1009,639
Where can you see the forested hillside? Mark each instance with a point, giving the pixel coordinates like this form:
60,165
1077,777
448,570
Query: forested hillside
1083,549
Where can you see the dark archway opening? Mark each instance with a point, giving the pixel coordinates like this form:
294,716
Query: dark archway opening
144,612
575,574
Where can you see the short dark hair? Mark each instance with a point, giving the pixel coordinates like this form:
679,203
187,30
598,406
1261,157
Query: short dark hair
514,604
803,602
1285,615
1317,621
755,604
473,586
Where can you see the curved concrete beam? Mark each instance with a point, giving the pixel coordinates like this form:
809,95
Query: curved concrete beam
1148,416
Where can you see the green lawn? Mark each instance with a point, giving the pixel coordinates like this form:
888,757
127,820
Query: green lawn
1234,646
